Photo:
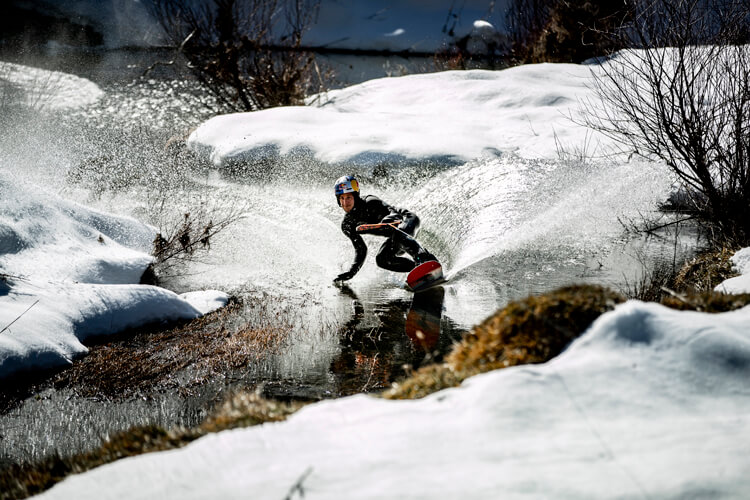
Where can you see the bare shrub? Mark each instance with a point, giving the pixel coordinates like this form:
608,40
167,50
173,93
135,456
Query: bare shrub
178,199
247,53
651,286
684,98
184,238
563,30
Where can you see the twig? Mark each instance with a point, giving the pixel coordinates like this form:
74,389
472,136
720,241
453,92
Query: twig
372,370
662,226
297,487
678,296
168,63
19,317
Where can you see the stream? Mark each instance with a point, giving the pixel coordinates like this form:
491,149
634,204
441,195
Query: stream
504,228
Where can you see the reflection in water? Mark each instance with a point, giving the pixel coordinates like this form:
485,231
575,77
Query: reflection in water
409,335
423,321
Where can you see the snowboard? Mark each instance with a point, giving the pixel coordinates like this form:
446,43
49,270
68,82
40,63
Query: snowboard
425,276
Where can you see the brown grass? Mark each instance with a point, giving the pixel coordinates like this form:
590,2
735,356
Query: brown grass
705,271
150,360
710,302
531,330
245,409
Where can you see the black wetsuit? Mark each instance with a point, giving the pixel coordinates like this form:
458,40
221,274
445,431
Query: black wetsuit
372,210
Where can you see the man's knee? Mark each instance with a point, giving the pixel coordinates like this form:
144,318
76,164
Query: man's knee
382,260
410,225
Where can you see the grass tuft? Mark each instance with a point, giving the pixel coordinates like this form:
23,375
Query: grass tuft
425,381
531,330
704,272
709,302
245,409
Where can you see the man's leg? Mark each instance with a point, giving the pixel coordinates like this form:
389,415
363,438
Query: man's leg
387,258
399,242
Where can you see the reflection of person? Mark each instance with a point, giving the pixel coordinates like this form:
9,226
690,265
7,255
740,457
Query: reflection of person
423,321
372,210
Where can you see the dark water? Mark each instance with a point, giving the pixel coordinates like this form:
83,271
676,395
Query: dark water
503,227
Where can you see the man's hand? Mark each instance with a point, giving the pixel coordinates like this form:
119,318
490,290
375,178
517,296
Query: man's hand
344,276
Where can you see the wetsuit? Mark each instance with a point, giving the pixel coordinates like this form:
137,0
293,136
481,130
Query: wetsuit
372,210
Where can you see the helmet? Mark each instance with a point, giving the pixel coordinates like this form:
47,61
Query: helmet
346,184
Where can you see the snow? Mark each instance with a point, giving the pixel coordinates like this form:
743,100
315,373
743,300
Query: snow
649,402
738,284
48,90
452,116
68,273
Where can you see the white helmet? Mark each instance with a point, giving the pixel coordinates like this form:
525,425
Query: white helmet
346,184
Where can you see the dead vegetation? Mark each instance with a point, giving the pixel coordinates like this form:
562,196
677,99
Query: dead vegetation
538,328
175,358
531,330
666,279
705,271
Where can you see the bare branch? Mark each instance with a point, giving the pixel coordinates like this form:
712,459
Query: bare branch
244,52
682,96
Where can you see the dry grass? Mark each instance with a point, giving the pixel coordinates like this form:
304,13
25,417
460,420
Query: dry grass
245,409
531,330
705,271
151,360
710,302
537,328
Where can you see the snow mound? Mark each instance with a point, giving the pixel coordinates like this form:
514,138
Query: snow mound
650,402
47,322
67,273
47,90
738,284
453,116
44,235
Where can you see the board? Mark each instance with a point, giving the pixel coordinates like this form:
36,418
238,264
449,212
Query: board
425,276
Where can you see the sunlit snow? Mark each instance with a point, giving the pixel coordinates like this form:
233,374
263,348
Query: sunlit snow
68,273
450,116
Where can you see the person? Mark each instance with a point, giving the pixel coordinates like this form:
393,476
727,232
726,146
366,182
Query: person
372,210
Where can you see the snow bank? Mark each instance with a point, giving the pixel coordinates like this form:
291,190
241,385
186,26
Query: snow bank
738,284
47,90
453,116
67,273
650,402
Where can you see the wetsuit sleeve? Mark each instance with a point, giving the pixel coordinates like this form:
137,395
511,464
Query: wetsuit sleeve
360,248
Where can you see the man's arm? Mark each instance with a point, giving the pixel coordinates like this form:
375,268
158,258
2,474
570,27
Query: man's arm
360,253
